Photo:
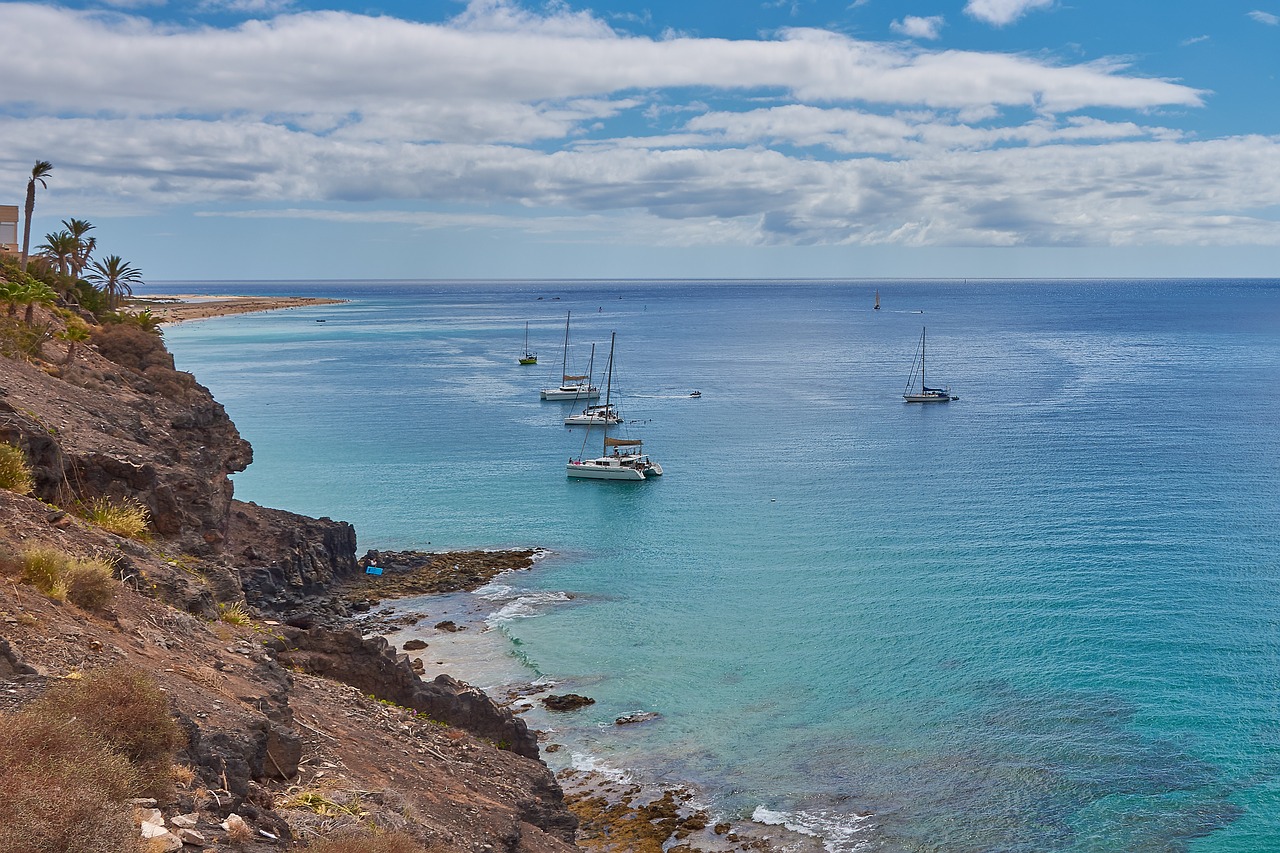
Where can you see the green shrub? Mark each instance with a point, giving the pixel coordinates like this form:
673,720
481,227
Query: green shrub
126,518
234,614
15,473
130,713
64,789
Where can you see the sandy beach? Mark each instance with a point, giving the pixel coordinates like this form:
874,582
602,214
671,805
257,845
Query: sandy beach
177,308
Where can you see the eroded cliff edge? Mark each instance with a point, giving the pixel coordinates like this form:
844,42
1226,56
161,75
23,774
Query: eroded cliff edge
271,710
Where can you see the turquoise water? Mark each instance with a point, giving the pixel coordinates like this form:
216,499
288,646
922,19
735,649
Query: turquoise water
1042,617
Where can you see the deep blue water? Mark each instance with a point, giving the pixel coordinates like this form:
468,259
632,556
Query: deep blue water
1044,617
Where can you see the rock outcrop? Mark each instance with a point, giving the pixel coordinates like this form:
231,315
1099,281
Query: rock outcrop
371,665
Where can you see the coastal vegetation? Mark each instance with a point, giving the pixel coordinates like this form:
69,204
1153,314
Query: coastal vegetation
65,276
88,583
71,760
15,473
39,172
126,518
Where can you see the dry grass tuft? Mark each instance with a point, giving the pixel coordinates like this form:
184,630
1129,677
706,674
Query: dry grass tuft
87,583
15,473
64,789
234,614
91,584
46,569
130,713
386,842
239,831
126,518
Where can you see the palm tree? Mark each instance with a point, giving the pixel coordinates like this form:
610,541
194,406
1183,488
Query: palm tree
73,335
38,173
115,277
61,250
77,228
35,293
11,292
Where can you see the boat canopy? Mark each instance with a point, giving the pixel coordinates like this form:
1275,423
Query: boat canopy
609,441
568,378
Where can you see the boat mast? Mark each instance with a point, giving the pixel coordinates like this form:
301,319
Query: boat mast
608,389
564,361
923,389
526,337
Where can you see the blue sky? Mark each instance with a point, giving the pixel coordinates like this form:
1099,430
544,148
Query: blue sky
276,139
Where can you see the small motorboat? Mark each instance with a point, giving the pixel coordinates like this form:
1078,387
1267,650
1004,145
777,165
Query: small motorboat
695,393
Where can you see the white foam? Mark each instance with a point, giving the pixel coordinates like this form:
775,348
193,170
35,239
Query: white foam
839,833
593,764
524,605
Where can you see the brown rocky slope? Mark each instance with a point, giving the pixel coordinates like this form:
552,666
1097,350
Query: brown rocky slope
302,729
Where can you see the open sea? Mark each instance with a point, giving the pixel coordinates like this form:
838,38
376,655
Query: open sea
1042,617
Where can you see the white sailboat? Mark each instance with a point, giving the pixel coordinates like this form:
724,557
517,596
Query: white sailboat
601,414
571,387
924,394
628,460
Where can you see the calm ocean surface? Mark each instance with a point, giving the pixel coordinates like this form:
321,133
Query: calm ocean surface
1044,617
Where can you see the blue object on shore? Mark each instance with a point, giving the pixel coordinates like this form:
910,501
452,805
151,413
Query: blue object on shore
373,570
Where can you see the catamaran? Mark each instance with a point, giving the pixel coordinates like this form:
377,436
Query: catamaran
571,387
628,460
925,394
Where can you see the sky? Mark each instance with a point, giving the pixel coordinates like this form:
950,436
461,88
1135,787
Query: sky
443,139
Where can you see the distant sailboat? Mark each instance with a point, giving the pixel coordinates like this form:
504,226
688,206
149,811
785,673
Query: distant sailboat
571,387
925,394
528,357
877,306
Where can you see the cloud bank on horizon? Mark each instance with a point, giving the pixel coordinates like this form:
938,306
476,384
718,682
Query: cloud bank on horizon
580,126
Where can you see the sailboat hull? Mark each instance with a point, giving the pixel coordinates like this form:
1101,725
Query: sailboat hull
928,398
571,393
605,468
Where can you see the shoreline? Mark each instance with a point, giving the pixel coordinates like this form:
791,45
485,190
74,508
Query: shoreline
179,308
436,614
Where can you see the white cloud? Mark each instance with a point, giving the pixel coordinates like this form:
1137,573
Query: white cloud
256,8
1000,13
919,28
1265,18
333,115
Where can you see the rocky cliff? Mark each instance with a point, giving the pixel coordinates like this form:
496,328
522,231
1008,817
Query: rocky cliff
270,712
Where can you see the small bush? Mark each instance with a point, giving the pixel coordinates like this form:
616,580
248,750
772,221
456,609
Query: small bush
234,613
15,474
46,570
91,584
63,788
349,842
126,518
130,713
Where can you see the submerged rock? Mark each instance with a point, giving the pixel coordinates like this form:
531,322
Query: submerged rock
566,702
